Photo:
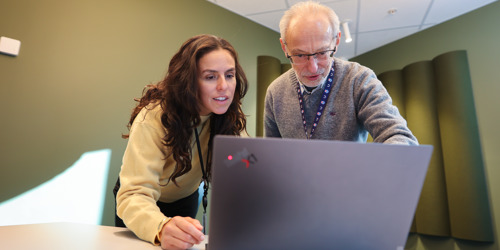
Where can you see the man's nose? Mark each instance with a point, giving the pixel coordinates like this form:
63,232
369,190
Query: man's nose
312,64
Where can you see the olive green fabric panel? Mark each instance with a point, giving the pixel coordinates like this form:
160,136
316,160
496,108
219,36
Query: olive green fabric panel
432,215
285,67
437,101
268,69
393,82
470,215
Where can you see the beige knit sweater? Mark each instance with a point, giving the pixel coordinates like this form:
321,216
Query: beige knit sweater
147,164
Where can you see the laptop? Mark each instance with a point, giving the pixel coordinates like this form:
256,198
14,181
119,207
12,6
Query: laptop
272,193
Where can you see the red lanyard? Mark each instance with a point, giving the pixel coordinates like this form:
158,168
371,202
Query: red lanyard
322,103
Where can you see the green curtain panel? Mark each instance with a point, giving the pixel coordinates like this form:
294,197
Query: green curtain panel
393,82
432,215
285,67
470,216
268,69
437,100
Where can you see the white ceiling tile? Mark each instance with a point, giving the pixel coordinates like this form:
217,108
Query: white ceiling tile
346,10
345,50
374,15
443,10
426,26
370,24
270,19
371,40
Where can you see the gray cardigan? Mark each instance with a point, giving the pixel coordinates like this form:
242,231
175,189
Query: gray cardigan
358,104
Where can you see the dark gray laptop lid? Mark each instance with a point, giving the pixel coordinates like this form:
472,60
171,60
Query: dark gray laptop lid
270,193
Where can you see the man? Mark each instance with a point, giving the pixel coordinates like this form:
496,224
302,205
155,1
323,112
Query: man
323,97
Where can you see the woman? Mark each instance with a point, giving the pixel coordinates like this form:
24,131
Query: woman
162,166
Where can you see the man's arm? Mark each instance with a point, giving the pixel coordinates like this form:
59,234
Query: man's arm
377,113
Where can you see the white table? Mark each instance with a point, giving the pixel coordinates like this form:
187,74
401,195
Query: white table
65,235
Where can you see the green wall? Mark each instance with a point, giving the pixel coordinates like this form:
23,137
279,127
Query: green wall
81,63
476,32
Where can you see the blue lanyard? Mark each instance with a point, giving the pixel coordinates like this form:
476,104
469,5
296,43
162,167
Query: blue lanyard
322,103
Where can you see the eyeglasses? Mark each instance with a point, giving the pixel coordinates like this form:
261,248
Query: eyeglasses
318,56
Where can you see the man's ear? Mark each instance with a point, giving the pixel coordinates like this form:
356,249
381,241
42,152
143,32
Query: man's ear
283,45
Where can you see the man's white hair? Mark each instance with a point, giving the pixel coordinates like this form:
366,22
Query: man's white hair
308,8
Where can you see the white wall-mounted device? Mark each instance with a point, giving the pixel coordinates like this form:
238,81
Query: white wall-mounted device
9,46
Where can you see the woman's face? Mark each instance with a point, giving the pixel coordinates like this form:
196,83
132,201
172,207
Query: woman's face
217,81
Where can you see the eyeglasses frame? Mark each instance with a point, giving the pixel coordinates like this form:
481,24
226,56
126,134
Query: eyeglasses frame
314,55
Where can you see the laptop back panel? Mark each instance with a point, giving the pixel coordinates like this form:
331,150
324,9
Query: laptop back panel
270,193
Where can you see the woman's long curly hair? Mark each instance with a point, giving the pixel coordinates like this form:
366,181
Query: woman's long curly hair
179,98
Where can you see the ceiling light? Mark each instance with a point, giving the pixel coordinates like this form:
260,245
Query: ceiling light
347,33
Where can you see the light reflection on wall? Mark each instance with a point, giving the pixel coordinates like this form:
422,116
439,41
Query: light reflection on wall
75,195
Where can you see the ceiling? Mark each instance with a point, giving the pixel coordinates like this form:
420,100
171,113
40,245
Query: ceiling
372,23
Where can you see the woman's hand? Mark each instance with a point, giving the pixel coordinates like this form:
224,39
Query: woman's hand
181,233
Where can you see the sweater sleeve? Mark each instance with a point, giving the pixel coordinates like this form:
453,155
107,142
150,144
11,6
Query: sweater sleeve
376,111
142,166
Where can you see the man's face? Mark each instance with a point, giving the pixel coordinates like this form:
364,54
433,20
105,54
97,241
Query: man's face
308,35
